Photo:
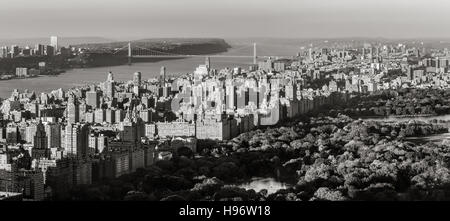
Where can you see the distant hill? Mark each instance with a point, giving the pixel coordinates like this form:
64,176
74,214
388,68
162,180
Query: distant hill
63,41
160,43
105,54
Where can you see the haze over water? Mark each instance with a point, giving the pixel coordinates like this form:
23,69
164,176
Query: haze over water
77,77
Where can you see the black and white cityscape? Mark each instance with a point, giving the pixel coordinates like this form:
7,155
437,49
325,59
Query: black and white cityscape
235,101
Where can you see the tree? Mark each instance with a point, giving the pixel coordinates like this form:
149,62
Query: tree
185,151
324,193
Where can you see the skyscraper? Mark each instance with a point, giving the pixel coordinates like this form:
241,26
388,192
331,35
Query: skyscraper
73,110
49,50
77,140
54,43
137,78
162,76
4,52
40,148
14,50
99,115
119,115
136,83
53,132
110,116
30,132
110,76
93,98
109,86
208,63
39,49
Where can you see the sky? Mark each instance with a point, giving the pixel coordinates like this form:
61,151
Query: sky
125,19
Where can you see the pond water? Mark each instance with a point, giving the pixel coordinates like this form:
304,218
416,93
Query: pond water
435,138
270,184
403,119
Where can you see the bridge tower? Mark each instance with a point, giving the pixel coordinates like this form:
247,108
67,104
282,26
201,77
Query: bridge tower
129,53
254,53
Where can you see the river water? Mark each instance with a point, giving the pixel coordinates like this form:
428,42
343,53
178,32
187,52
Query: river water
77,77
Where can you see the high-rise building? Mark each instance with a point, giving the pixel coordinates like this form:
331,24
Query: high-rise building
82,109
410,72
53,131
162,76
231,99
100,115
12,134
137,83
137,78
291,91
77,140
54,43
93,98
119,115
110,116
40,148
102,141
128,132
89,117
82,172
14,51
39,49
73,110
28,182
4,52
109,86
110,76
30,132
208,63
49,50
242,97
92,144
26,51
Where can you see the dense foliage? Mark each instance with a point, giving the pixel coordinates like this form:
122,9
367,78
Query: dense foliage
407,101
323,159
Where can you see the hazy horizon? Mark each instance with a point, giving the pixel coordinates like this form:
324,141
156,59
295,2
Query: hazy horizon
226,19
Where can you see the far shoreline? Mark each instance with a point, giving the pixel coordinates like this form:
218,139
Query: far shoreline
137,60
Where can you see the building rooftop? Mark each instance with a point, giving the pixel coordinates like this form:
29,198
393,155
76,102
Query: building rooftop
6,195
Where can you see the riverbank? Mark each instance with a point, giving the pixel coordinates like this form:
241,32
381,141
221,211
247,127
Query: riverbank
81,76
53,73
107,55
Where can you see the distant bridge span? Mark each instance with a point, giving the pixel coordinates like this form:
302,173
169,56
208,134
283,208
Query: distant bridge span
139,52
192,55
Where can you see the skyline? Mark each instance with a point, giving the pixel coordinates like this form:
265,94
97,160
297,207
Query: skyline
255,101
238,19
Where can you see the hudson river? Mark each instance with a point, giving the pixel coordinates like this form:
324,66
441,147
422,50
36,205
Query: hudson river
77,77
